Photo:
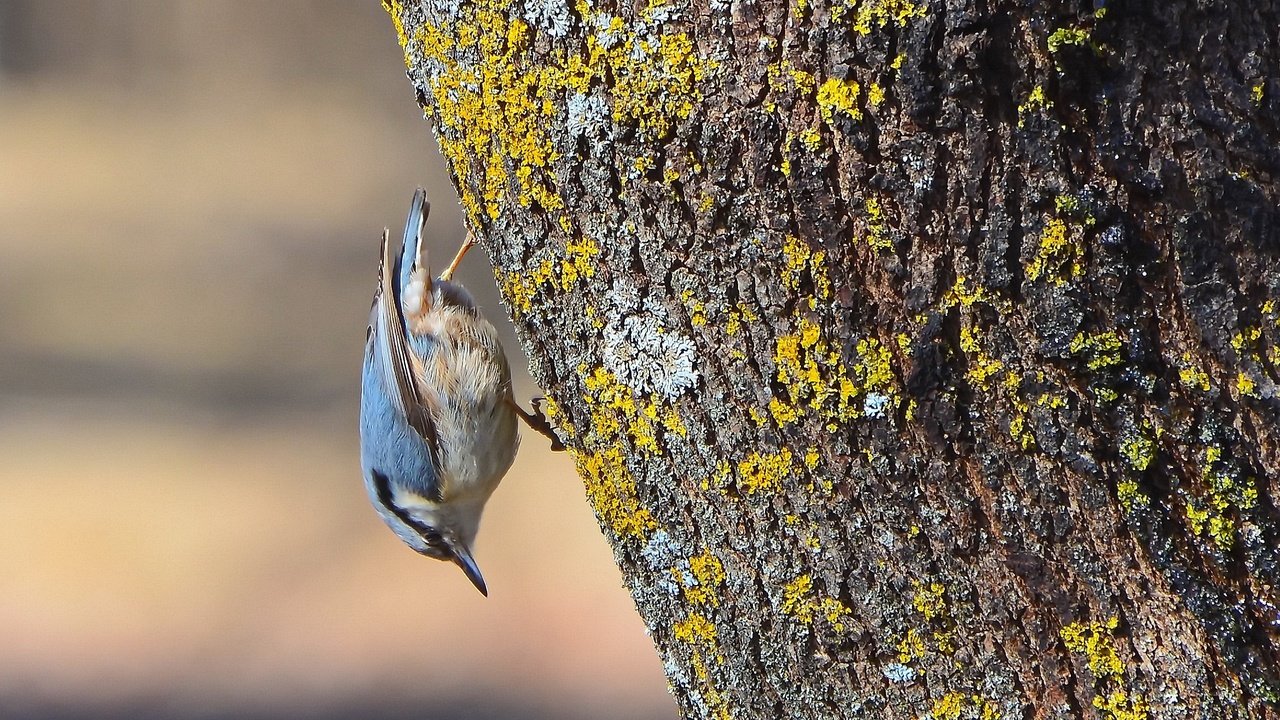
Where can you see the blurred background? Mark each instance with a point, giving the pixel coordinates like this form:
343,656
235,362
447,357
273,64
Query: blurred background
191,196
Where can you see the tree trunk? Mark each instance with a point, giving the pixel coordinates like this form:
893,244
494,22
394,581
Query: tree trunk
919,359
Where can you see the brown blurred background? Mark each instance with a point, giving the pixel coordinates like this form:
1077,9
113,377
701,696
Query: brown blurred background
191,195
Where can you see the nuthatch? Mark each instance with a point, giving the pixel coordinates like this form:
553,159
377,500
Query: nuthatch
438,425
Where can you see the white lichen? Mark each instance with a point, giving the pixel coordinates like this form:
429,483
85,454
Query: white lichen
661,550
899,673
675,672
875,404
588,117
607,33
549,16
666,12
624,297
661,553
642,350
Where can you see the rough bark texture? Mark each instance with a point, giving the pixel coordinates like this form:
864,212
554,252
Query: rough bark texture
919,358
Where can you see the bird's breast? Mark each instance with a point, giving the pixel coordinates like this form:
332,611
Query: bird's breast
476,427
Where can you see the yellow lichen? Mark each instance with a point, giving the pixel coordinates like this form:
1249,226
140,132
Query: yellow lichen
800,263
709,572
1192,376
1119,706
1138,450
612,492
522,288
811,458
615,407
955,705
578,262
672,422
1057,255
869,15
1196,518
1035,102
699,633
811,138
982,367
1094,640
948,707
815,380
733,325
494,104
804,81
962,295
1246,340
838,97
696,630
764,471
1068,36
801,602
911,647
621,424
1100,350
1018,430
930,600
395,9
1225,493
492,126
656,81
876,236
875,94
874,369
795,593
697,308
1245,385
804,367
783,413
1130,497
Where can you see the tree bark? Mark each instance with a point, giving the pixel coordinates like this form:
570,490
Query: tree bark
920,359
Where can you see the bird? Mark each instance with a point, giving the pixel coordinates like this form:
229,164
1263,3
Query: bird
438,421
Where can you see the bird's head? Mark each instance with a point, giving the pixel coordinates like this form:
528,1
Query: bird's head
444,531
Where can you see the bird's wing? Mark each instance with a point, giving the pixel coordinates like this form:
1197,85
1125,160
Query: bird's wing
398,364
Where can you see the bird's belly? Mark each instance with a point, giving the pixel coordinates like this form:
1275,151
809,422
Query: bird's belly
478,453
476,430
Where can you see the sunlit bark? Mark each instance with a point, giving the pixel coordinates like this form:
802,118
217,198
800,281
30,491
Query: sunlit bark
918,358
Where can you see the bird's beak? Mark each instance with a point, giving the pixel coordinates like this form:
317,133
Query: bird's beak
462,556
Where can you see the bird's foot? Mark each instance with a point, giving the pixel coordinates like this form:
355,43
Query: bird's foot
457,259
537,421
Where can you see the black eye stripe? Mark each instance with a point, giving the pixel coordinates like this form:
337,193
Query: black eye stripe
382,486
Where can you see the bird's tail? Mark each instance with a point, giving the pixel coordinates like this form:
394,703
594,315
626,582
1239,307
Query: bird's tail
413,255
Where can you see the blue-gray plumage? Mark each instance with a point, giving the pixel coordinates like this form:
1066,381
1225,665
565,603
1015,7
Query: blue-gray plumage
438,425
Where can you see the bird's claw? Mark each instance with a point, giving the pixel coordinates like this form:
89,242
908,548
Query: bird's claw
537,421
